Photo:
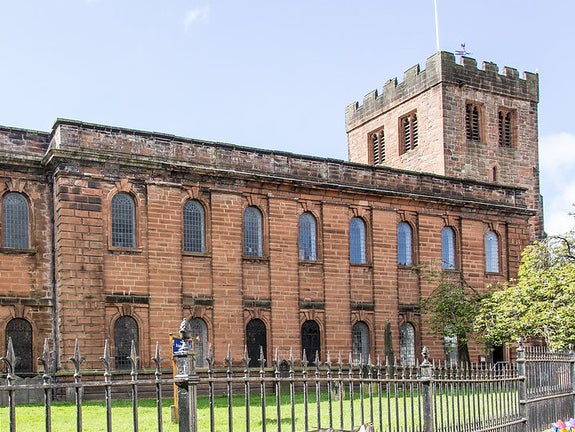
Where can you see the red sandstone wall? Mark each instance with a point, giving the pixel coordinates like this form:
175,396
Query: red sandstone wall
158,284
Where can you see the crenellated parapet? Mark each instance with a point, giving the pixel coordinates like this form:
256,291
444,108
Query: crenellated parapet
443,68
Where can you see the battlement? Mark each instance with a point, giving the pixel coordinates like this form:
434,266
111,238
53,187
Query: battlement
443,68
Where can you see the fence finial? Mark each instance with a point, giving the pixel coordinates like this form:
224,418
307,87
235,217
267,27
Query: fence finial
425,355
10,360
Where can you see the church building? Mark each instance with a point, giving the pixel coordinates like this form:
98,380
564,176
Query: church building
116,234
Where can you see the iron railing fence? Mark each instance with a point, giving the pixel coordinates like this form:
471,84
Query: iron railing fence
299,396
549,386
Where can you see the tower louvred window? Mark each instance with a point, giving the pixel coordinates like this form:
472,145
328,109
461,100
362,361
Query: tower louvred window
409,132
472,122
505,128
377,141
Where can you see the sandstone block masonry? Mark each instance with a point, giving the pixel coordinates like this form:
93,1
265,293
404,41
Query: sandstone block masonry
73,281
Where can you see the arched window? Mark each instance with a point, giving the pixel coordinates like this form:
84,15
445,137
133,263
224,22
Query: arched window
447,248
357,241
253,236
360,341
15,221
125,331
123,221
307,237
310,340
491,252
20,331
407,344
194,227
404,242
256,339
199,340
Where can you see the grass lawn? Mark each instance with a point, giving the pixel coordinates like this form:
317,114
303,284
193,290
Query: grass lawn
31,417
397,412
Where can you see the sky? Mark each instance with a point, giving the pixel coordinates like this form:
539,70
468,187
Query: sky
273,74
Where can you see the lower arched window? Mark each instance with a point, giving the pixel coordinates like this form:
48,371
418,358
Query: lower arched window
200,340
256,340
310,340
407,344
360,341
20,331
125,331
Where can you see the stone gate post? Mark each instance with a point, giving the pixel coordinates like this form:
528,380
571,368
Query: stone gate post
187,382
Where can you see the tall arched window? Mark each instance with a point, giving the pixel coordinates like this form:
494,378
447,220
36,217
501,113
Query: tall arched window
447,248
20,331
360,342
310,340
491,252
407,344
307,237
404,242
200,340
15,221
123,221
256,339
357,241
125,331
253,237
194,227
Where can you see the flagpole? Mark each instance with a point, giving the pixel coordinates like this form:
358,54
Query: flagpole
436,26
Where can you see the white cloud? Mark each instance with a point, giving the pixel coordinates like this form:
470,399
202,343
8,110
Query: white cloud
557,169
194,15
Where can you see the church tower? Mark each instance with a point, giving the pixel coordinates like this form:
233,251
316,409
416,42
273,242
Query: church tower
454,120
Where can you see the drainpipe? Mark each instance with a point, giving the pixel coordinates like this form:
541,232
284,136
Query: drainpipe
55,312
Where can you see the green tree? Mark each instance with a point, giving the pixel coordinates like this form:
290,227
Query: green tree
451,308
388,341
541,302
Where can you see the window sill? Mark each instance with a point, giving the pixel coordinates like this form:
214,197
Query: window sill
16,251
255,259
360,265
309,263
125,251
196,254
